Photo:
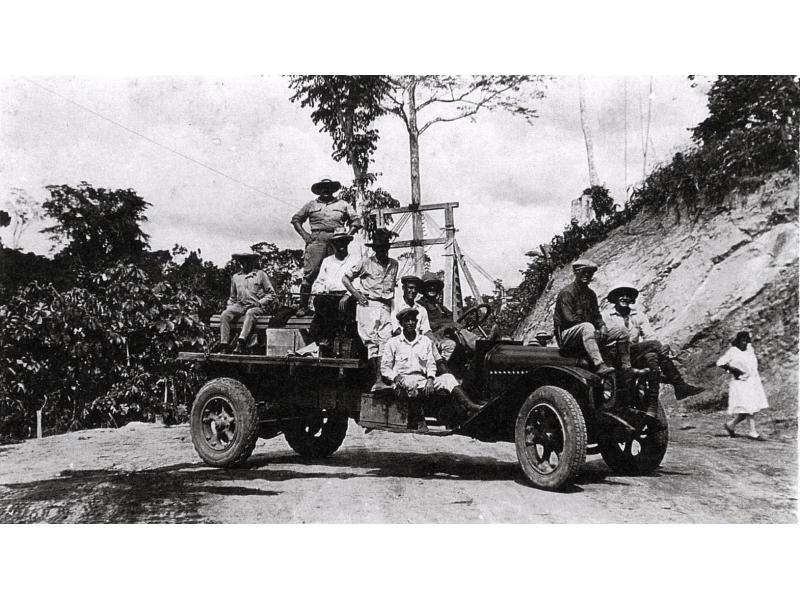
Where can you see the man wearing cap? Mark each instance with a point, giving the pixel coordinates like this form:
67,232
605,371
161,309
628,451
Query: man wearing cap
646,351
377,277
441,318
542,338
331,300
579,325
325,215
411,285
409,363
251,293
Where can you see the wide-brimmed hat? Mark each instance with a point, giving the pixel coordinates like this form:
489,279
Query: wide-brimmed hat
411,279
622,288
325,186
584,264
341,235
430,280
381,238
406,313
245,255
543,334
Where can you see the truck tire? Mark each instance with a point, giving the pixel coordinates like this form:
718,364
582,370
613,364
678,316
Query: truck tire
550,437
316,435
640,455
224,423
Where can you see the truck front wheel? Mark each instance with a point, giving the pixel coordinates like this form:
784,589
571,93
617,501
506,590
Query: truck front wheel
550,436
317,434
224,423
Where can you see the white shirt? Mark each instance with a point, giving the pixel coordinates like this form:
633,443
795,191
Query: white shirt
403,357
330,275
423,324
638,325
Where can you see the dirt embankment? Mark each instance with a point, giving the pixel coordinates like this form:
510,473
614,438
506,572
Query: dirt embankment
146,473
702,279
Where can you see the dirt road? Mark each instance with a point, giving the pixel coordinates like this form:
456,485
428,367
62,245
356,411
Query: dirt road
146,473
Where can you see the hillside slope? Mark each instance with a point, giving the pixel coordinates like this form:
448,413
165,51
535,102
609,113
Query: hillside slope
701,281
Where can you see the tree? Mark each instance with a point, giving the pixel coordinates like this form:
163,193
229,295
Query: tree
451,98
23,210
345,107
594,180
97,226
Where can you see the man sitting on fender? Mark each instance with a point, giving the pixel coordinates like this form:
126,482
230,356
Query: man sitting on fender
645,350
408,362
579,325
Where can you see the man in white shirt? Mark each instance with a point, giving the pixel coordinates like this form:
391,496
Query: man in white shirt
332,303
408,362
646,351
377,279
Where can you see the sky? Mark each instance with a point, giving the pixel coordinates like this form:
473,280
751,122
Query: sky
514,181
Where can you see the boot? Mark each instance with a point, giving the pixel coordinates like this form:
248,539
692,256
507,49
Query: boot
416,413
684,390
463,402
241,348
375,371
603,369
305,294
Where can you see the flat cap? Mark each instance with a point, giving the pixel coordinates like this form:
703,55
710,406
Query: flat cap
406,313
411,279
584,264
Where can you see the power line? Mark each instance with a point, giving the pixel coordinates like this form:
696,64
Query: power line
159,144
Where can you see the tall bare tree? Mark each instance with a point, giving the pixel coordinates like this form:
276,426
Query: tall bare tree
444,99
594,180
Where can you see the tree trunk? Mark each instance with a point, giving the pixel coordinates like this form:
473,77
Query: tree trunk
416,192
587,135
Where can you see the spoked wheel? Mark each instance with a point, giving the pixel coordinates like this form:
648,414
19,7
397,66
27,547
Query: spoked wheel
643,452
316,434
550,436
224,423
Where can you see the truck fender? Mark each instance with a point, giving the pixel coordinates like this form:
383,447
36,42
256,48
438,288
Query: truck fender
578,382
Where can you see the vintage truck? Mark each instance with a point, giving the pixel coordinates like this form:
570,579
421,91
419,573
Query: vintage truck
551,406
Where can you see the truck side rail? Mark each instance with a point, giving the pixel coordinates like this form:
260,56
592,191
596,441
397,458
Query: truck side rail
258,359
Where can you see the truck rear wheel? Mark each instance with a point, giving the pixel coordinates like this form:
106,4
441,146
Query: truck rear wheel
550,436
639,455
316,435
224,423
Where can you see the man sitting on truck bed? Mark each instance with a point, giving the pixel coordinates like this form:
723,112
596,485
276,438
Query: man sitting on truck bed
332,303
251,293
408,362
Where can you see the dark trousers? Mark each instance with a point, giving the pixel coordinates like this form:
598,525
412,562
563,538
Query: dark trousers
654,355
329,319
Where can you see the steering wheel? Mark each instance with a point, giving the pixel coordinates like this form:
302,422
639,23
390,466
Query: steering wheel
475,317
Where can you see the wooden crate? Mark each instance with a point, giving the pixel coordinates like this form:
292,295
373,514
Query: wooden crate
383,409
281,342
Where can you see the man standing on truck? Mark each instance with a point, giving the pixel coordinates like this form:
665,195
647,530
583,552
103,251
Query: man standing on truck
325,215
409,363
331,301
377,277
579,326
646,351
251,293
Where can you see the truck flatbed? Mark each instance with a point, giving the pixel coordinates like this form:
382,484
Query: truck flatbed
260,359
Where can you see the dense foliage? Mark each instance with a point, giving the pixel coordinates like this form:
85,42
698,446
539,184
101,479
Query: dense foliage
751,131
91,336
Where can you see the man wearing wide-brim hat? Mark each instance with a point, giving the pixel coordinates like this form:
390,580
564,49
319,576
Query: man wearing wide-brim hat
443,327
331,301
579,326
646,350
325,215
377,278
251,293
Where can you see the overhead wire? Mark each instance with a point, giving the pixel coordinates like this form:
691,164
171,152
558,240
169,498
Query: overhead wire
159,144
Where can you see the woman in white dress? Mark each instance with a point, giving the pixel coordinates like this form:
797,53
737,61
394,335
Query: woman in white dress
746,394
